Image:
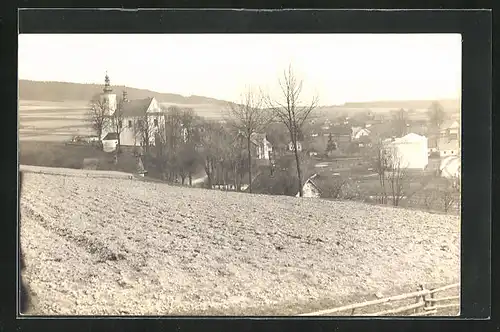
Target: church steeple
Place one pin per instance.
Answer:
(108, 97)
(107, 85)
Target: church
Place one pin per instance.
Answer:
(131, 119)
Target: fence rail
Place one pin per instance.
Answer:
(426, 304)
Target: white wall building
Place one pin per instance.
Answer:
(133, 115)
(135, 111)
(358, 132)
(262, 146)
(410, 150)
(310, 189)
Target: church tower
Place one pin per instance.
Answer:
(108, 96)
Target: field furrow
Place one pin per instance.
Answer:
(133, 247)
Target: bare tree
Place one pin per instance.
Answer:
(397, 177)
(436, 115)
(290, 111)
(189, 158)
(117, 123)
(392, 173)
(98, 115)
(179, 138)
(381, 166)
(209, 150)
(146, 129)
(449, 195)
(248, 118)
(400, 122)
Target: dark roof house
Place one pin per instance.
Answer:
(137, 107)
(110, 136)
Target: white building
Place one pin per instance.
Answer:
(134, 113)
(358, 132)
(410, 151)
(448, 143)
(310, 189)
(448, 148)
(136, 118)
(262, 146)
(450, 129)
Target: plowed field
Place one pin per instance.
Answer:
(110, 246)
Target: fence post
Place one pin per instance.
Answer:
(417, 299)
(432, 303)
(424, 297)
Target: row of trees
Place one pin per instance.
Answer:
(183, 141)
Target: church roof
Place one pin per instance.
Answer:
(137, 107)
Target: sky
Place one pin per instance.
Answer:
(337, 68)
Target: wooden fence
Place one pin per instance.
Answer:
(425, 303)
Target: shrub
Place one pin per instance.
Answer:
(340, 189)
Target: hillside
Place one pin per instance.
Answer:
(107, 246)
(64, 91)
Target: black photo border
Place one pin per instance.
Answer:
(475, 28)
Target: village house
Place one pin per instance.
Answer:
(311, 187)
(110, 142)
(448, 143)
(263, 148)
(448, 147)
(326, 186)
(358, 132)
(135, 118)
(291, 147)
(409, 151)
(450, 129)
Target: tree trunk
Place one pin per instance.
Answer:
(224, 175)
(249, 165)
(208, 171)
(235, 181)
(119, 141)
(297, 161)
(190, 178)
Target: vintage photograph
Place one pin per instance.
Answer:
(239, 174)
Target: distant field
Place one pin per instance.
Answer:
(60, 121)
(52, 121)
(208, 111)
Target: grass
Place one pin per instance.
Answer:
(55, 154)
